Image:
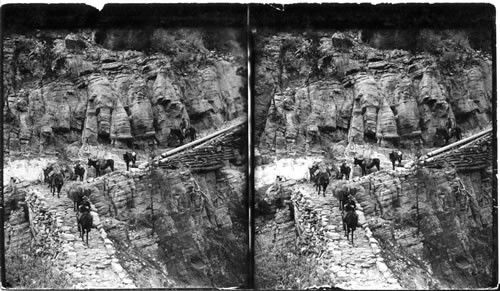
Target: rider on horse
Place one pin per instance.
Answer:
(321, 169)
(85, 206)
(350, 204)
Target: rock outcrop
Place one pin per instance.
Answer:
(73, 87)
(392, 96)
(436, 220)
(188, 224)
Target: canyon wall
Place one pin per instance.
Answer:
(100, 86)
(315, 88)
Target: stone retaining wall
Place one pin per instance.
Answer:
(43, 224)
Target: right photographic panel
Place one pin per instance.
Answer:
(375, 146)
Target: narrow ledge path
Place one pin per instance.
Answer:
(359, 266)
(95, 265)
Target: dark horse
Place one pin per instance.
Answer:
(345, 170)
(190, 132)
(322, 181)
(56, 182)
(79, 172)
(456, 132)
(76, 194)
(130, 157)
(101, 165)
(367, 164)
(396, 156)
(341, 193)
(85, 224)
(46, 172)
(350, 222)
(313, 170)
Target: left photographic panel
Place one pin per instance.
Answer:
(124, 146)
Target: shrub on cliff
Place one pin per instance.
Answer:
(27, 270)
(279, 269)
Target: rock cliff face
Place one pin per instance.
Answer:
(327, 86)
(181, 226)
(434, 224)
(101, 86)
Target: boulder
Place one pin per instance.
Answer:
(356, 132)
(408, 116)
(102, 97)
(163, 90)
(74, 42)
(120, 124)
(430, 91)
(386, 122)
(141, 112)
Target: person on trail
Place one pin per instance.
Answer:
(450, 125)
(85, 206)
(350, 205)
(184, 126)
(277, 183)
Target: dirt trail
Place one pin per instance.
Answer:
(348, 266)
(95, 265)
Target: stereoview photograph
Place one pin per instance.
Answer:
(124, 146)
(374, 152)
